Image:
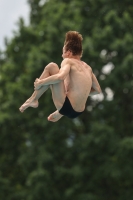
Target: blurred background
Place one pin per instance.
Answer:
(87, 158)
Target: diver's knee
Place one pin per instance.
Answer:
(52, 68)
(52, 64)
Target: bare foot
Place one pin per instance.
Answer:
(29, 103)
(54, 117)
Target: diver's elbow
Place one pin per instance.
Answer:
(61, 77)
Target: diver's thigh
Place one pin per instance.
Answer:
(58, 94)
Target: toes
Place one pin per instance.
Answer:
(50, 118)
(21, 109)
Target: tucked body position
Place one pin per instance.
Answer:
(70, 85)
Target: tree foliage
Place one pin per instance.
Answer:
(89, 157)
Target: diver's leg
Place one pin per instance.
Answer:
(49, 70)
(58, 95)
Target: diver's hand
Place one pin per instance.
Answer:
(37, 84)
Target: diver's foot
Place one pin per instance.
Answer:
(29, 103)
(54, 117)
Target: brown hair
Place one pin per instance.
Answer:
(73, 42)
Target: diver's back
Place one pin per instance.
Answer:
(80, 84)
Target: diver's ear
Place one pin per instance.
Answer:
(69, 53)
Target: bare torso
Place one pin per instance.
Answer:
(78, 83)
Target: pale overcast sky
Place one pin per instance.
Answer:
(10, 11)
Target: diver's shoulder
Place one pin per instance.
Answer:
(88, 66)
(66, 60)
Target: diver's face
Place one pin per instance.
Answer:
(64, 53)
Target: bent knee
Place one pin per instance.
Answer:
(52, 64)
(52, 68)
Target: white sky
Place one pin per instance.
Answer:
(10, 11)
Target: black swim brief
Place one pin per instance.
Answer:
(68, 110)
